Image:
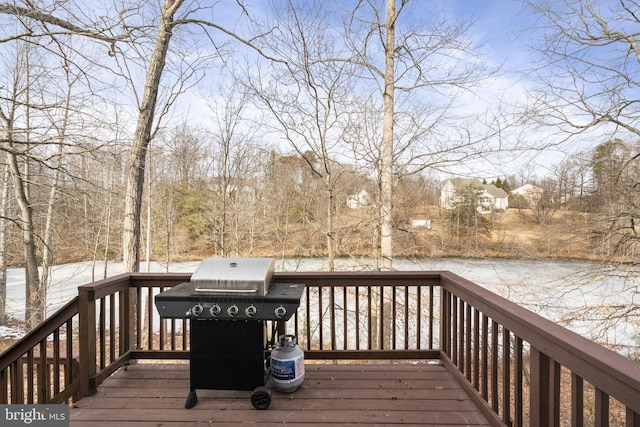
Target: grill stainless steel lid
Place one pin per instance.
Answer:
(233, 275)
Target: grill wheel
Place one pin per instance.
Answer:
(261, 397)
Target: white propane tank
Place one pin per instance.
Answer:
(287, 364)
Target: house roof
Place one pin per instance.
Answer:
(496, 192)
(527, 189)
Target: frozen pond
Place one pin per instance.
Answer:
(589, 298)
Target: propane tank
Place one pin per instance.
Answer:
(287, 364)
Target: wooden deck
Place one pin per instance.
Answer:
(332, 394)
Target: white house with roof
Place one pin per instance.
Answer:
(531, 193)
(491, 198)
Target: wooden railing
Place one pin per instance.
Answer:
(519, 368)
(43, 367)
(530, 370)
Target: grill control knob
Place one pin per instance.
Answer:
(233, 310)
(214, 310)
(197, 310)
(251, 310)
(280, 312)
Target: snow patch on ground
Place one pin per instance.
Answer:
(11, 332)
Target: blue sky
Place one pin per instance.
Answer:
(502, 28)
(498, 26)
(501, 24)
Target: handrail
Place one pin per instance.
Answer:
(608, 370)
(38, 349)
(501, 353)
(552, 350)
(112, 327)
(361, 306)
(35, 336)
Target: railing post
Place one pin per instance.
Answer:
(445, 321)
(540, 388)
(633, 419)
(87, 338)
(128, 317)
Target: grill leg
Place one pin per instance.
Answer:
(192, 399)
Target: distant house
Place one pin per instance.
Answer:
(420, 223)
(530, 193)
(491, 198)
(360, 200)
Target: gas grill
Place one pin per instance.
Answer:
(229, 302)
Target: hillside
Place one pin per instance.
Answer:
(513, 234)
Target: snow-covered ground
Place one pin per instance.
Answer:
(11, 332)
(579, 295)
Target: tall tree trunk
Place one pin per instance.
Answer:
(107, 236)
(386, 196)
(148, 245)
(331, 250)
(35, 302)
(47, 253)
(142, 136)
(4, 207)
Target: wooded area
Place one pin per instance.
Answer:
(132, 130)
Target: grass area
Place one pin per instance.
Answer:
(511, 234)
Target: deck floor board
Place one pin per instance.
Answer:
(332, 394)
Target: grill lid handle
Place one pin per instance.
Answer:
(227, 290)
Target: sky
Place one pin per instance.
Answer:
(506, 30)
(502, 27)
(498, 23)
(499, 26)
(502, 30)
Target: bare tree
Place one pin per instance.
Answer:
(588, 83)
(168, 24)
(386, 168)
(35, 294)
(60, 119)
(233, 155)
(590, 53)
(617, 197)
(587, 68)
(107, 30)
(308, 96)
(178, 163)
(4, 209)
(142, 136)
(28, 126)
(14, 143)
(419, 64)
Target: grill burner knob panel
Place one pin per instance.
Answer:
(197, 310)
(251, 310)
(181, 301)
(232, 310)
(214, 310)
(280, 312)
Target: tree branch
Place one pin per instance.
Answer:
(9, 9)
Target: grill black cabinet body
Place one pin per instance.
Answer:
(228, 302)
(227, 355)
